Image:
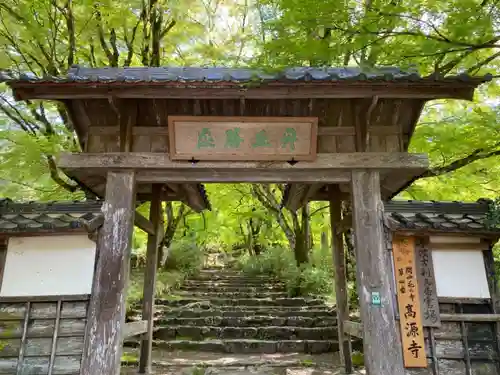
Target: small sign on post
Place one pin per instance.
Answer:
(412, 332)
(242, 138)
(376, 300)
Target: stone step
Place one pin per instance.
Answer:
(245, 346)
(234, 295)
(230, 288)
(227, 271)
(282, 302)
(182, 360)
(252, 346)
(231, 284)
(233, 277)
(256, 333)
(250, 321)
(238, 311)
(297, 369)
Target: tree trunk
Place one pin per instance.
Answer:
(255, 226)
(350, 258)
(306, 227)
(300, 249)
(161, 253)
(172, 224)
(301, 252)
(324, 241)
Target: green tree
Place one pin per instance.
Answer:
(46, 37)
(460, 138)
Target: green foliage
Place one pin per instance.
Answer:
(198, 371)
(378, 32)
(184, 257)
(166, 282)
(461, 138)
(358, 359)
(493, 217)
(316, 277)
(25, 165)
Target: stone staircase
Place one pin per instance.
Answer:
(222, 311)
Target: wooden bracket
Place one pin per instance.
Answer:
(142, 223)
(127, 118)
(132, 329)
(353, 329)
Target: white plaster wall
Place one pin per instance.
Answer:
(460, 274)
(48, 265)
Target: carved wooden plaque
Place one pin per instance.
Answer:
(412, 332)
(242, 138)
(427, 287)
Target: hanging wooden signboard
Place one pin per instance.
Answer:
(427, 287)
(412, 332)
(242, 138)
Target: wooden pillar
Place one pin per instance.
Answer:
(382, 343)
(340, 281)
(148, 300)
(106, 316)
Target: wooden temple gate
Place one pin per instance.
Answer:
(157, 134)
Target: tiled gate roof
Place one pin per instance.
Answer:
(439, 216)
(29, 217)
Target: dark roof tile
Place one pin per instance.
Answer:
(439, 216)
(221, 74)
(16, 217)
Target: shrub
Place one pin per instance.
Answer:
(166, 281)
(315, 277)
(316, 280)
(185, 257)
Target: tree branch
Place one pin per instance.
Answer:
(156, 23)
(146, 35)
(116, 53)
(319, 209)
(482, 63)
(130, 43)
(15, 115)
(54, 174)
(102, 40)
(363, 30)
(12, 12)
(167, 29)
(479, 154)
(267, 199)
(70, 25)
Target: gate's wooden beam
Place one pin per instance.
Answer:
(324, 162)
(333, 176)
(158, 168)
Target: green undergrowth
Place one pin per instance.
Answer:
(185, 257)
(184, 260)
(313, 278)
(496, 259)
(166, 282)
